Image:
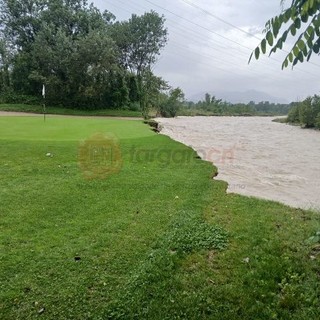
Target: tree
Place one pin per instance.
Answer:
(20, 21)
(133, 88)
(5, 62)
(85, 58)
(150, 91)
(64, 44)
(308, 111)
(170, 104)
(300, 15)
(140, 41)
(207, 99)
(293, 116)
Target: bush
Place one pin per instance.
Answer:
(171, 103)
(13, 98)
(168, 110)
(306, 112)
(134, 106)
(293, 116)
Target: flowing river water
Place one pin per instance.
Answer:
(257, 157)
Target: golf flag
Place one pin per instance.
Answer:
(44, 91)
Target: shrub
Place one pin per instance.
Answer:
(308, 111)
(134, 106)
(293, 116)
(168, 110)
(171, 103)
(14, 98)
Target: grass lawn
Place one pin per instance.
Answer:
(158, 240)
(71, 112)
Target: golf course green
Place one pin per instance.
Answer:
(157, 238)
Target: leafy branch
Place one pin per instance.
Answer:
(301, 15)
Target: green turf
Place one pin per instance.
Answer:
(68, 129)
(68, 111)
(158, 240)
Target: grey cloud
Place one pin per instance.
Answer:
(198, 60)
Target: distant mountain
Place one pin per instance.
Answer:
(241, 97)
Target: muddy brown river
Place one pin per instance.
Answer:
(257, 157)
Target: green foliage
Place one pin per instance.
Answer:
(150, 87)
(13, 98)
(217, 107)
(140, 40)
(132, 84)
(5, 58)
(78, 52)
(293, 116)
(208, 98)
(306, 113)
(171, 103)
(301, 15)
(134, 106)
(315, 238)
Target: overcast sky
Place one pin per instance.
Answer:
(207, 52)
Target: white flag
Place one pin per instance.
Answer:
(44, 91)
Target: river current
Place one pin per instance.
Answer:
(257, 157)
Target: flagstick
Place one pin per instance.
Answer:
(44, 102)
(44, 112)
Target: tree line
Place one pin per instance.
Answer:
(214, 106)
(306, 113)
(86, 58)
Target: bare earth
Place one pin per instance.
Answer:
(257, 157)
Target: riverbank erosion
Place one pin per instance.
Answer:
(256, 156)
